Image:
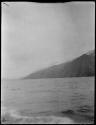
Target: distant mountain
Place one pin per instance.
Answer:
(82, 66)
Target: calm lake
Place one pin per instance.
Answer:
(48, 95)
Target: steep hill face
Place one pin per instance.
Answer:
(82, 66)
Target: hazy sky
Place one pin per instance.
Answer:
(35, 36)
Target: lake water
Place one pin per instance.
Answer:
(33, 96)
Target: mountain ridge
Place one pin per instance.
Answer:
(81, 66)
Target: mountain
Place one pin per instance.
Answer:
(82, 66)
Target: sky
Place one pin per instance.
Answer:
(38, 35)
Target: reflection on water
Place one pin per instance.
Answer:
(75, 95)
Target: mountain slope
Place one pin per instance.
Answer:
(79, 67)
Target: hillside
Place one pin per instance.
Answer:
(80, 67)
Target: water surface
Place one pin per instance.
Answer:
(47, 96)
